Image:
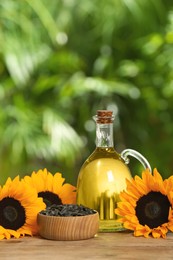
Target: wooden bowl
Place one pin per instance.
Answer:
(68, 228)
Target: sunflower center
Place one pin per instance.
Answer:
(50, 198)
(153, 209)
(12, 213)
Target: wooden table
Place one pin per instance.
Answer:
(105, 246)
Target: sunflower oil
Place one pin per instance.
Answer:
(103, 176)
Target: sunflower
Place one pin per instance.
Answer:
(52, 188)
(19, 205)
(146, 207)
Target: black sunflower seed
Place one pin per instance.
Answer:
(67, 210)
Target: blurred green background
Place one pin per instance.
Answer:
(61, 60)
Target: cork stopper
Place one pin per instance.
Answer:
(104, 116)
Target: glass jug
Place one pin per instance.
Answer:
(103, 175)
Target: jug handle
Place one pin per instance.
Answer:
(125, 153)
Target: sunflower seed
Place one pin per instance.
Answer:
(67, 210)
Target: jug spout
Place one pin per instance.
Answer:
(130, 152)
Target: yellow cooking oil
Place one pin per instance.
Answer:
(101, 179)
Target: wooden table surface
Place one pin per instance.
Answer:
(105, 246)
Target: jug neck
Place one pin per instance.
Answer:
(104, 128)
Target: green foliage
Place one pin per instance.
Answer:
(62, 60)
